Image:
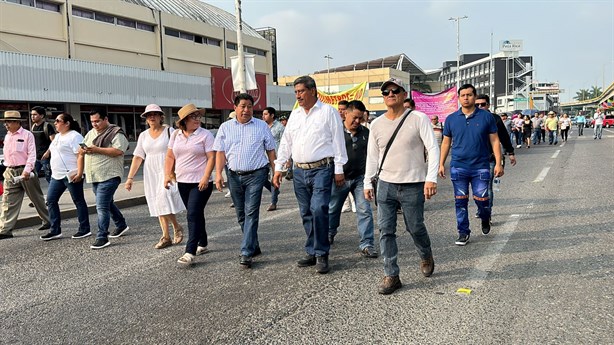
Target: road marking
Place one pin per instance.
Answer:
(563, 144)
(542, 175)
(607, 130)
(556, 154)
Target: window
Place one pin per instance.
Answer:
(171, 32)
(231, 45)
(126, 22)
(186, 36)
(82, 13)
(41, 4)
(145, 27)
(104, 18)
(213, 42)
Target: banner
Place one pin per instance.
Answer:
(441, 104)
(355, 93)
(250, 73)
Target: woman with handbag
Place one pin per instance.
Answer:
(151, 148)
(190, 160)
(66, 174)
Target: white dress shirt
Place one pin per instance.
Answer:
(310, 137)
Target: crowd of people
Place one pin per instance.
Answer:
(393, 161)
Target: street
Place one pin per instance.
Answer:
(544, 275)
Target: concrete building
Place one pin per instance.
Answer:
(123, 54)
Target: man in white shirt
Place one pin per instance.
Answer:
(599, 117)
(314, 140)
(406, 179)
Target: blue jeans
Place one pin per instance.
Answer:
(105, 207)
(195, 202)
(43, 168)
(312, 188)
(479, 179)
(246, 193)
(364, 214)
(54, 192)
(410, 197)
(537, 134)
(552, 138)
(274, 191)
(597, 131)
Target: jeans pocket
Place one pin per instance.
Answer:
(453, 175)
(485, 175)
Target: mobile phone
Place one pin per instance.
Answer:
(83, 146)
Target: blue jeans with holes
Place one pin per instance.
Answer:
(54, 192)
(364, 214)
(195, 201)
(246, 193)
(312, 188)
(105, 207)
(479, 179)
(410, 197)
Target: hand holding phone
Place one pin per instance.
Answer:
(83, 146)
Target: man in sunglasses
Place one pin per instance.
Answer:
(406, 179)
(356, 138)
(472, 134)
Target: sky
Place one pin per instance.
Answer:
(572, 42)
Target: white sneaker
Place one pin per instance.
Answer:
(201, 250)
(518, 146)
(227, 195)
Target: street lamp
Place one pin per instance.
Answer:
(457, 20)
(328, 58)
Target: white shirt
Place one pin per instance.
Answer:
(310, 137)
(598, 119)
(64, 150)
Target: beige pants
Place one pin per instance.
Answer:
(13, 197)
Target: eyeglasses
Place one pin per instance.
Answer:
(481, 105)
(58, 121)
(394, 91)
(195, 116)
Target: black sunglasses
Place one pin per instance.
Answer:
(481, 105)
(394, 91)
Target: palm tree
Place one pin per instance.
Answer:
(595, 92)
(582, 95)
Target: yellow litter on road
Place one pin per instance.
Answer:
(464, 291)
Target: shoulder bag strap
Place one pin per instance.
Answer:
(391, 140)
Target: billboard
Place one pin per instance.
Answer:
(510, 45)
(223, 94)
(440, 104)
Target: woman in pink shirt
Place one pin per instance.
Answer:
(189, 162)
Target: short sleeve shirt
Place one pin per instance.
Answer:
(470, 136)
(191, 154)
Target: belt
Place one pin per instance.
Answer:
(249, 172)
(316, 164)
(16, 167)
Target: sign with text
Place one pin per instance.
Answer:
(355, 93)
(440, 104)
(510, 45)
(223, 94)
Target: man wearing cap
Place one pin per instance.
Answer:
(246, 146)
(472, 134)
(314, 139)
(19, 159)
(406, 179)
(277, 130)
(103, 157)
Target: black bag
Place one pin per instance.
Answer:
(375, 179)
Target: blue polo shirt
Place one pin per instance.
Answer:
(470, 138)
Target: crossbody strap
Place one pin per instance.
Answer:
(381, 165)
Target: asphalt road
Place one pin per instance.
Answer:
(543, 276)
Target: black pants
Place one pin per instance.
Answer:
(195, 202)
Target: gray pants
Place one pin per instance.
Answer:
(13, 198)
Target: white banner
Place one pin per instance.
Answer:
(250, 73)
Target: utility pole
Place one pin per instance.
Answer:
(328, 58)
(457, 20)
(241, 53)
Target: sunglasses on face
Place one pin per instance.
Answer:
(58, 121)
(481, 105)
(394, 91)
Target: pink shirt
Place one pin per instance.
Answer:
(191, 154)
(19, 149)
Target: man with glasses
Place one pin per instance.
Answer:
(472, 134)
(19, 159)
(314, 139)
(356, 139)
(406, 179)
(102, 153)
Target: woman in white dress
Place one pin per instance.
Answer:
(151, 148)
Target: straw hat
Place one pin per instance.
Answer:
(152, 108)
(12, 115)
(232, 115)
(189, 109)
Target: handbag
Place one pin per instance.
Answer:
(375, 178)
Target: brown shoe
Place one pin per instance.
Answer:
(389, 285)
(164, 242)
(272, 207)
(427, 266)
(178, 236)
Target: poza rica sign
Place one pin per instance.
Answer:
(510, 45)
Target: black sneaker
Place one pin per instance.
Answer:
(462, 239)
(50, 236)
(118, 232)
(369, 252)
(485, 226)
(45, 226)
(100, 243)
(246, 261)
(306, 261)
(82, 234)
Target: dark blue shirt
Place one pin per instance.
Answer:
(470, 138)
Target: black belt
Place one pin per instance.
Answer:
(243, 173)
(16, 167)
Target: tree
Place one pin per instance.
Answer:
(582, 95)
(595, 92)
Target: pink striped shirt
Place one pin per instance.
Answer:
(19, 149)
(191, 154)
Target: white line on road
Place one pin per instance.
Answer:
(608, 130)
(563, 144)
(542, 175)
(556, 154)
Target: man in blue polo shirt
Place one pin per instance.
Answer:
(472, 134)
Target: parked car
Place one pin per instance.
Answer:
(607, 122)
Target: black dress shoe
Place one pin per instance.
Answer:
(308, 260)
(5, 236)
(257, 252)
(322, 264)
(246, 261)
(45, 226)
